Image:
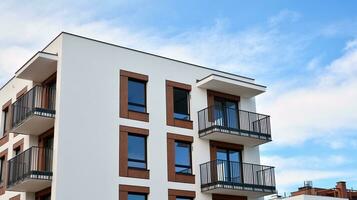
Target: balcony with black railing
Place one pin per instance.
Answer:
(34, 112)
(234, 126)
(31, 170)
(236, 178)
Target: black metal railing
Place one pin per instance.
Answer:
(39, 101)
(244, 176)
(34, 163)
(233, 121)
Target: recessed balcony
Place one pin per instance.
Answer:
(236, 178)
(31, 170)
(234, 126)
(34, 112)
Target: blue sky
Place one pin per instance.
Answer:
(305, 51)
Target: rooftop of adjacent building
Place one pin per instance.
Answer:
(340, 191)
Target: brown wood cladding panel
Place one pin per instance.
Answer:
(184, 138)
(41, 194)
(18, 144)
(4, 139)
(178, 85)
(3, 184)
(170, 120)
(17, 197)
(7, 106)
(171, 159)
(181, 193)
(131, 188)
(172, 175)
(215, 144)
(21, 92)
(124, 171)
(227, 197)
(123, 96)
(125, 189)
(169, 105)
(134, 75)
(211, 94)
(124, 112)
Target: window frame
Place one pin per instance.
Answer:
(124, 111)
(145, 148)
(125, 190)
(145, 95)
(2, 168)
(124, 170)
(185, 194)
(188, 104)
(170, 118)
(171, 159)
(190, 154)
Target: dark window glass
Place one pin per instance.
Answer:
(4, 120)
(136, 151)
(183, 158)
(136, 95)
(135, 196)
(17, 151)
(183, 198)
(181, 104)
(2, 165)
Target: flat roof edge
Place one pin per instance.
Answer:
(156, 55)
(263, 86)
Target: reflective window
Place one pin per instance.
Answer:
(135, 196)
(183, 157)
(4, 122)
(2, 169)
(181, 104)
(136, 95)
(136, 151)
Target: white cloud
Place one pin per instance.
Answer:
(284, 15)
(322, 109)
(294, 170)
(257, 50)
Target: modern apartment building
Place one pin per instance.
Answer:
(84, 119)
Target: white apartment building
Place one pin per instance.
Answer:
(88, 120)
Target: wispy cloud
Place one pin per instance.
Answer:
(321, 109)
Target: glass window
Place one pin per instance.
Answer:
(183, 157)
(17, 151)
(4, 121)
(136, 151)
(2, 165)
(136, 95)
(135, 196)
(181, 104)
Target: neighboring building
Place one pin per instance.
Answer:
(89, 120)
(308, 192)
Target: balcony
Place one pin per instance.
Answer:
(31, 170)
(39, 67)
(234, 126)
(235, 178)
(34, 112)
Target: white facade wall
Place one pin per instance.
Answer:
(312, 197)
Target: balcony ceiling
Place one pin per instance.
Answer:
(231, 86)
(39, 67)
